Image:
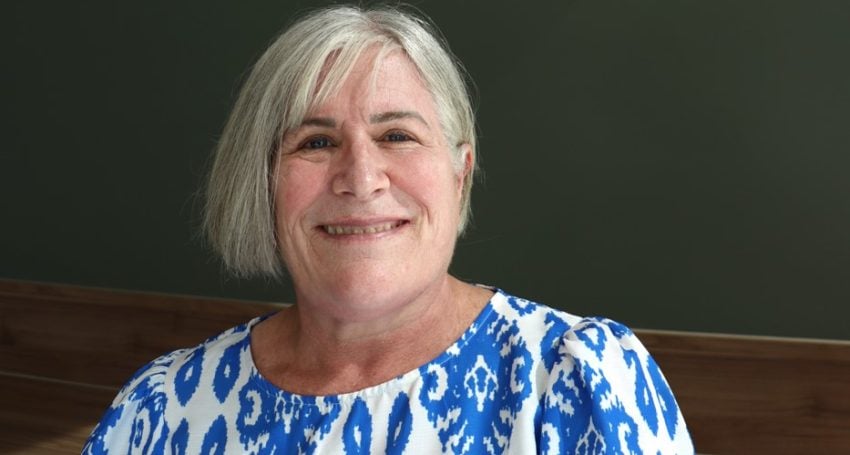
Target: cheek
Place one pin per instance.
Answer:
(433, 183)
(297, 188)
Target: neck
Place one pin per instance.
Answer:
(306, 352)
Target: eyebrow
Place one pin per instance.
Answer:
(383, 117)
(396, 115)
(319, 121)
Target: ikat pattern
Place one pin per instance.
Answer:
(522, 379)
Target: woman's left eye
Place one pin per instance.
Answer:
(397, 136)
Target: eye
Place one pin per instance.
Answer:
(397, 136)
(316, 143)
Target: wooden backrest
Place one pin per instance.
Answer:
(65, 350)
(754, 395)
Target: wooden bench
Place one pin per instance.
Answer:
(65, 351)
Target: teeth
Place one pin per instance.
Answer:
(359, 230)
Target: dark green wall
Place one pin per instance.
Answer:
(671, 164)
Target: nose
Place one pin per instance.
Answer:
(360, 171)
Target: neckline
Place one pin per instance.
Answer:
(399, 382)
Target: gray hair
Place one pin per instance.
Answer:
(278, 93)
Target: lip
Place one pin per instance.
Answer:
(355, 228)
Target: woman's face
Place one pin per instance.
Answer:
(367, 198)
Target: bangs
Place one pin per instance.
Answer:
(324, 81)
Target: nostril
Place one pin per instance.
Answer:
(361, 179)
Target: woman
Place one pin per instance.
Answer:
(349, 159)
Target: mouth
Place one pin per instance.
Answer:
(375, 228)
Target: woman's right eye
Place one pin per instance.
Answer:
(316, 143)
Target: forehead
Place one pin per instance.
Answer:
(379, 80)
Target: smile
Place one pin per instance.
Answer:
(361, 230)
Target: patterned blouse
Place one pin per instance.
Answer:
(523, 379)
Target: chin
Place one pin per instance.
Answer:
(363, 297)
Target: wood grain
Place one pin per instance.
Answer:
(47, 417)
(65, 350)
(99, 336)
(757, 395)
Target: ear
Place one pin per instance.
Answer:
(467, 161)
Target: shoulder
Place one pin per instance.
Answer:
(602, 391)
(137, 417)
(562, 338)
(607, 387)
(567, 340)
(138, 405)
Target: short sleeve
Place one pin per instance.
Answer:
(605, 394)
(134, 423)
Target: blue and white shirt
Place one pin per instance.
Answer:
(523, 379)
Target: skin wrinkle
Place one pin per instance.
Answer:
(357, 363)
